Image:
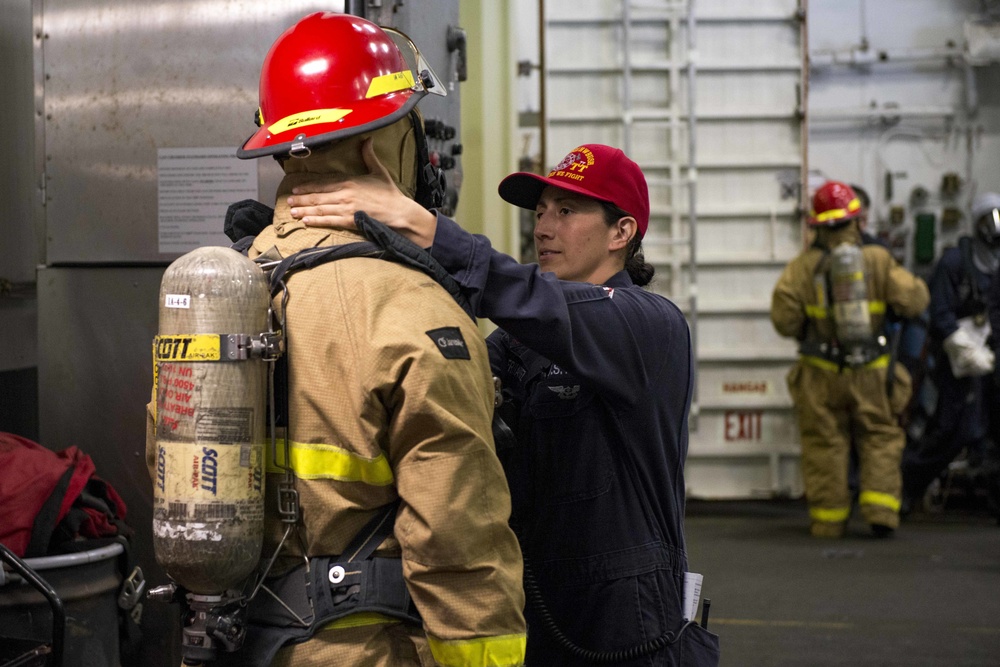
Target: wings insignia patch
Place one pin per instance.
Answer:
(565, 393)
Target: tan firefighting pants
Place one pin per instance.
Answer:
(832, 405)
(377, 645)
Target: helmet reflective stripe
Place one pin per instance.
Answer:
(838, 213)
(304, 118)
(390, 83)
(380, 85)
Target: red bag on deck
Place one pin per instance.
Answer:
(42, 491)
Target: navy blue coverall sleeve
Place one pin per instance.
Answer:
(943, 286)
(611, 338)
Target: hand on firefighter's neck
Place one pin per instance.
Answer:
(333, 202)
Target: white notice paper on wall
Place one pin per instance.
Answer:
(195, 186)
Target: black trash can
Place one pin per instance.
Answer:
(88, 583)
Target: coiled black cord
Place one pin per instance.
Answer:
(648, 647)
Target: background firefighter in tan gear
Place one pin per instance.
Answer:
(840, 380)
(390, 391)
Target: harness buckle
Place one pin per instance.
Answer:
(337, 574)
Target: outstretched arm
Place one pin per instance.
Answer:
(333, 202)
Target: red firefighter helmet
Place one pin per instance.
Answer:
(833, 204)
(332, 76)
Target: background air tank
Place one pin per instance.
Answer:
(850, 295)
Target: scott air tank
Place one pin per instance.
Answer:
(850, 295)
(210, 402)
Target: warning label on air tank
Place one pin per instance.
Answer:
(203, 481)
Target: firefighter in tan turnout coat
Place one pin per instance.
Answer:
(834, 298)
(390, 394)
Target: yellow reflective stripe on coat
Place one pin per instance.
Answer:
(827, 365)
(880, 499)
(837, 213)
(822, 312)
(319, 461)
(836, 515)
(503, 651)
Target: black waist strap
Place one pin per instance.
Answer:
(853, 357)
(302, 602)
(290, 609)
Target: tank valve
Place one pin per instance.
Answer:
(165, 593)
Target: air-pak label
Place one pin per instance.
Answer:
(194, 472)
(191, 347)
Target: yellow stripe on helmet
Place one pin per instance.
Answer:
(838, 213)
(390, 83)
(304, 118)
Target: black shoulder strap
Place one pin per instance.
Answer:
(400, 249)
(310, 257)
(372, 534)
(821, 268)
(383, 243)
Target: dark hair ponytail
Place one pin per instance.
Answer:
(638, 269)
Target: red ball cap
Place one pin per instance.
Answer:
(592, 170)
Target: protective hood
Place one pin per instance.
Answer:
(395, 147)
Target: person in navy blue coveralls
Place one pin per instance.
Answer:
(597, 378)
(959, 287)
